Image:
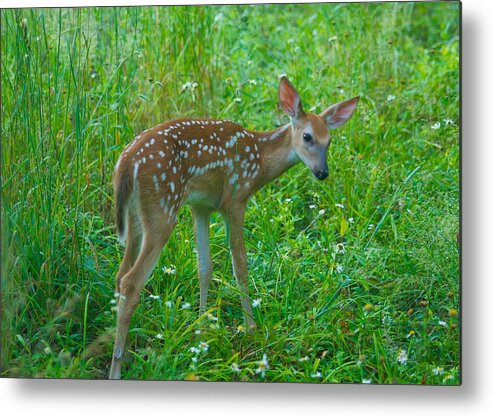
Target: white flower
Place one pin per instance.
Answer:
(448, 121)
(339, 268)
(390, 97)
(253, 82)
(321, 212)
(195, 359)
(193, 349)
(288, 200)
(438, 371)
(169, 270)
(113, 301)
(366, 381)
(256, 302)
(159, 336)
(339, 248)
(237, 99)
(263, 365)
(185, 306)
(339, 205)
(154, 297)
(304, 359)
(169, 304)
(204, 347)
(189, 85)
(442, 323)
(402, 357)
(436, 126)
(235, 368)
(198, 331)
(211, 317)
(332, 38)
(351, 220)
(317, 374)
(312, 206)
(371, 226)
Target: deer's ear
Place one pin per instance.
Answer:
(338, 114)
(289, 99)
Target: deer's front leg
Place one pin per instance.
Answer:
(235, 220)
(201, 219)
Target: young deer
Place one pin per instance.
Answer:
(210, 165)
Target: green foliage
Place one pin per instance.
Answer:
(353, 273)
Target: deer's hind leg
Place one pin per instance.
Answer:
(132, 247)
(157, 228)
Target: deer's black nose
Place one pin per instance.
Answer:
(322, 174)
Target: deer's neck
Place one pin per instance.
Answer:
(277, 152)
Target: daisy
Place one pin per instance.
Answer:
(256, 302)
(263, 365)
(402, 357)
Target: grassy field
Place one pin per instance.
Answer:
(356, 278)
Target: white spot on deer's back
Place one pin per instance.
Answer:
(156, 184)
(172, 186)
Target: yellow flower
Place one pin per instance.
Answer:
(453, 312)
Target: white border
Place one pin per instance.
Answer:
(83, 398)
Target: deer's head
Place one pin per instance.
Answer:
(311, 132)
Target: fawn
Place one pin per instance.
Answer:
(209, 165)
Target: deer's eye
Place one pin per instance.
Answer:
(307, 138)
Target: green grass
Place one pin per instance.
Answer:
(343, 290)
